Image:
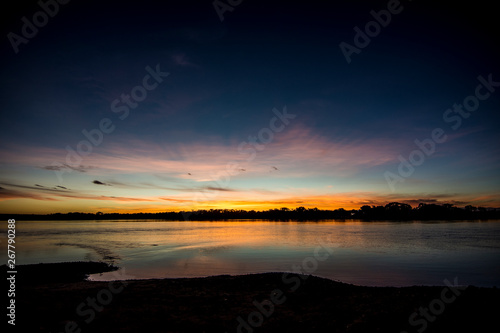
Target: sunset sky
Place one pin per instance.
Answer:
(258, 111)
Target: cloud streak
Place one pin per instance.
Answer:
(97, 182)
(296, 152)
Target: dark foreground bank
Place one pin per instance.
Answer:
(270, 302)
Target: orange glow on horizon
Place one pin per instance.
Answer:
(155, 205)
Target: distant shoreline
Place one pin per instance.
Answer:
(393, 211)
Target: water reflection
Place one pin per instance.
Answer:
(367, 253)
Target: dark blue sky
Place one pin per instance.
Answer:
(352, 120)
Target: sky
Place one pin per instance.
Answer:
(153, 106)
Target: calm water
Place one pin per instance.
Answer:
(364, 253)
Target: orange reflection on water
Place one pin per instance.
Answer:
(369, 253)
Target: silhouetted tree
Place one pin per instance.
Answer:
(391, 211)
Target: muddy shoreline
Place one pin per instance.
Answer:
(268, 302)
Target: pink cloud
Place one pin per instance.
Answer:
(295, 152)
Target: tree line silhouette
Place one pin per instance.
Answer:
(391, 211)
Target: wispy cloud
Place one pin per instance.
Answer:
(8, 194)
(63, 166)
(97, 182)
(181, 59)
(178, 175)
(36, 187)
